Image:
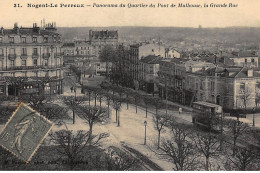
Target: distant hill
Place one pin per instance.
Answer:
(170, 34)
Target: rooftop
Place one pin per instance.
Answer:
(151, 59)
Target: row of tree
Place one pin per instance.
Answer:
(188, 145)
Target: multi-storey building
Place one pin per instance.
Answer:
(242, 58)
(99, 39)
(33, 53)
(139, 51)
(172, 78)
(89, 50)
(186, 81)
(148, 73)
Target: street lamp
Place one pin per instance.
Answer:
(145, 124)
(75, 89)
(253, 117)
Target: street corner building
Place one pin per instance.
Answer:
(31, 60)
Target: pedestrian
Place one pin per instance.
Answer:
(71, 89)
(180, 110)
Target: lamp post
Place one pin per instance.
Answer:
(253, 117)
(75, 89)
(145, 124)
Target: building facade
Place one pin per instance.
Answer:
(139, 51)
(33, 54)
(148, 73)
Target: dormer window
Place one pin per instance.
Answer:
(242, 86)
(11, 39)
(45, 39)
(34, 40)
(23, 39)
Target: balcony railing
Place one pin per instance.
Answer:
(24, 56)
(30, 67)
(58, 54)
(46, 55)
(12, 56)
(35, 55)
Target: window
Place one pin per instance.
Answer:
(1, 89)
(12, 51)
(1, 39)
(35, 62)
(151, 69)
(47, 87)
(242, 86)
(35, 51)
(45, 39)
(12, 63)
(23, 62)
(197, 86)
(152, 50)
(11, 39)
(246, 61)
(24, 51)
(201, 85)
(46, 62)
(34, 39)
(212, 86)
(23, 39)
(253, 60)
(1, 52)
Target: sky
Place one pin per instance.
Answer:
(246, 14)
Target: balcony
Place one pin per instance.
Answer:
(58, 55)
(11, 56)
(35, 55)
(31, 67)
(46, 55)
(24, 56)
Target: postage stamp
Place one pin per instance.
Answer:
(24, 132)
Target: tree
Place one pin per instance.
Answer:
(245, 96)
(107, 55)
(147, 100)
(207, 144)
(180, 149)
(92, 115)
(160, 121)
(128, 93)
(244, 159)
(237, 128)
(43, 81)
(74, 146)
(17, 83)
(101, 94)
(257, 101)
(35, 100)
(117, 160)
(108, 99)
(55, 113)
(137, 99)
(73, 102)
(157, 103)
(117, 107)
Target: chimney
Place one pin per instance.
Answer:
(2, 30)
(15, 25)
(16, 28)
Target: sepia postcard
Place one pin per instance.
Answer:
(129, 85)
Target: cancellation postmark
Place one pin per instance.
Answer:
(24, 132)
